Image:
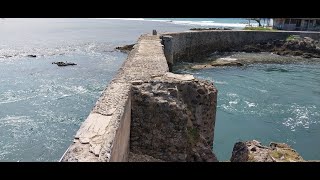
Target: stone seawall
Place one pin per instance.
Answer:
(193, 46)
(123, 119)
(104, 135)
(147, 113)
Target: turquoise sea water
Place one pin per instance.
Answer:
(42, 105)
(267, 102)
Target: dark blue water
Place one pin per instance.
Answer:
(267, 102)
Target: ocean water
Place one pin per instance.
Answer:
(266, 102)
(235, 23)
(43, 105)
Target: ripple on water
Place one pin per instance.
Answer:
(267, 102)
(11, 96)
(220, 82)
(301, 117)
(250, 104)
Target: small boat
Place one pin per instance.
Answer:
(60, 63)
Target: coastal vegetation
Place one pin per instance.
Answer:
(193, 135)
(292, 38)
(202, 29)
(259, 28)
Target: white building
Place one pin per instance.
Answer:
(297, 24)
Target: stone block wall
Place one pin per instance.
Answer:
(193, 46)
(173, 118)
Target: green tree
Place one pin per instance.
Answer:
(258, 21)
(255, 19)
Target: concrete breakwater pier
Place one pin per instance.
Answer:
(147, 113)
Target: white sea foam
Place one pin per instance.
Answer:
(130, 19)
(262, 90)
(227, 108)
(227, 59)
(220, 82)
(232, 95)
(250, 104)
(234, 102)
(14, 120)
(206, 23)
(302, 117)
(10, 97)
(189, 23)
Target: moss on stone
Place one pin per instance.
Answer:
(276, 154)
(291, 38)
(193, 135)
(285, 155)
(259, 28)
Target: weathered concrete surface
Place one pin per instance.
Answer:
(157, 115)
(173, 118)
(144, 61)
(104, 135)
(253, 151)
(193, 46)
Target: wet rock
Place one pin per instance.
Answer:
(226, 63)
(251, 48)
(60, 63)
(201, 91)
(254, 151)
(297, 53)
(125, 48)
(307, 55)
(240, 152)
(294, 46)
(216, 64)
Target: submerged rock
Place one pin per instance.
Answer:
(253, 151)
(217, 63)
(126, 48)
(60, 63)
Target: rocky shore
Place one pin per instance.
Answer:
(302, 49)
(293, 45)
(254, 151)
